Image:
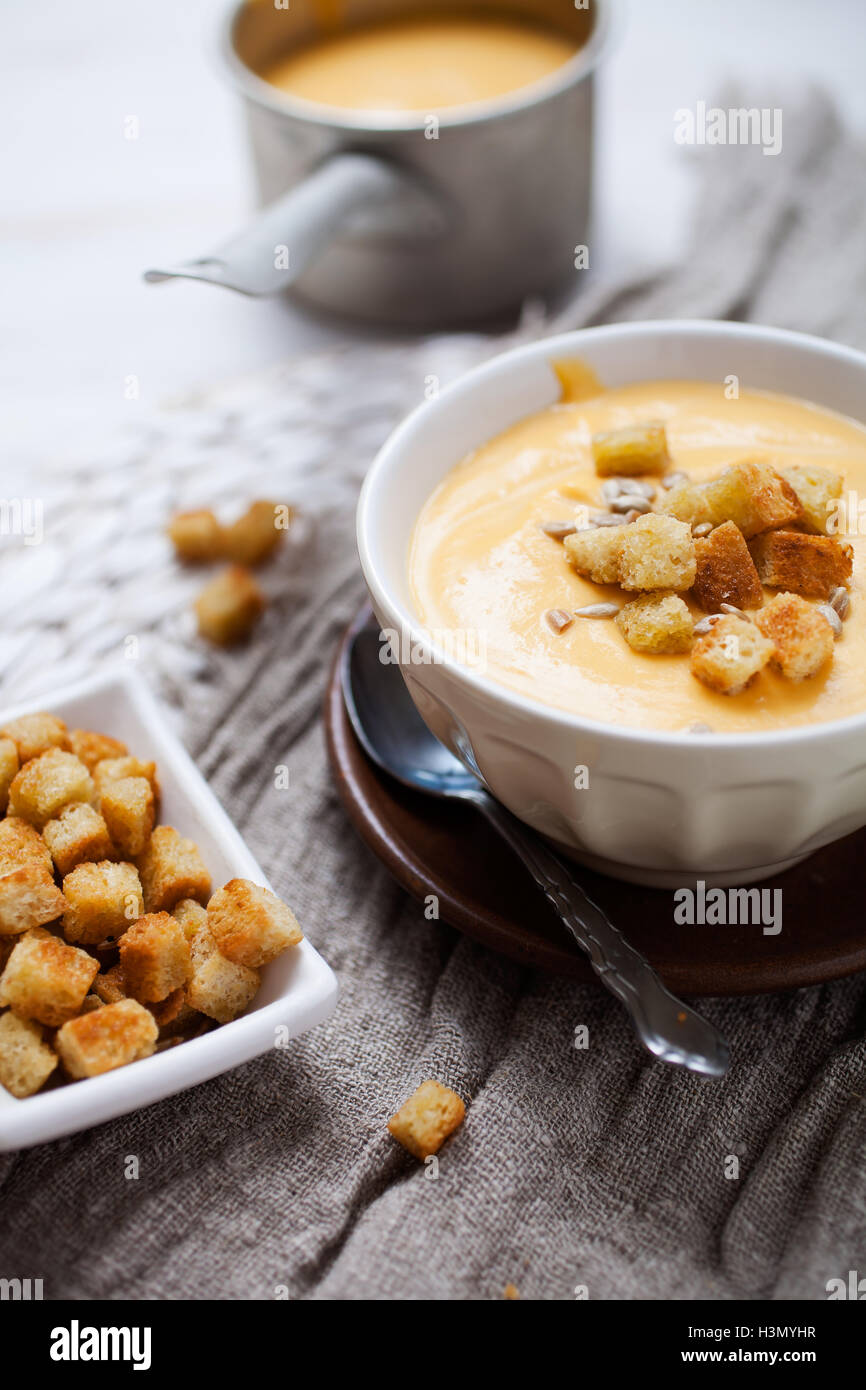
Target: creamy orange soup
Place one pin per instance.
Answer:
(422, 64)
(479, 561)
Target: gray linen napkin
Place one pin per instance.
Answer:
(592, 1169)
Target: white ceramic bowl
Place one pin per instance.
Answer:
(663, 807)
(298, 989)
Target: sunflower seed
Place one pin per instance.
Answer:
(705, 624)
(632, 516)
(611, 489)
(597, 610)
(559, 529)
(703, 528)
(606, 519)
(734, 612)
(558, 619)
(631, 502)
(840, 600)
(636, 486)
(674, 479)
(832, 618)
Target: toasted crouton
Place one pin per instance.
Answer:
(45, 979)
(730, 655)
(726, 571)
(77, 835)
(202, 944)
(197, 536)
(171, 868)
(21, 844)
(595, 553)
(219, 987)
(166, 1010)
(688, 502)
(817, 490)
(187, 1022)
(128, 810)
(229, 607)
(802, 638)
(111, 1037)
(656, 623)
(109, 770)
(256, 534)
(658, 552)
(630, 451)
(425, 1120)
(250, 924)
(102, 901)
(810, 565)
(29, 898)
(9, 765)
(46, 784)
(191, 915)
(110, 985)
(33, 734)
(754, 496)
(93, 748)
(26, 1062)
(154, 955)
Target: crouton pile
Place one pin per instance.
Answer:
(229, 607)
(718, 544)
(112, 944)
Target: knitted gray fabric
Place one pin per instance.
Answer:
(595, 1168)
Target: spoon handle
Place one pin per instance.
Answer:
(668, 1028)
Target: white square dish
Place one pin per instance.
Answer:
(298, 989)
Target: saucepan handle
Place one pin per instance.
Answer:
(350, 192)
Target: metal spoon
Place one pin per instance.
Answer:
(393, 734)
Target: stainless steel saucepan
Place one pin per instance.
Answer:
(423, 219)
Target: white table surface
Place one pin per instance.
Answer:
(84, 209)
